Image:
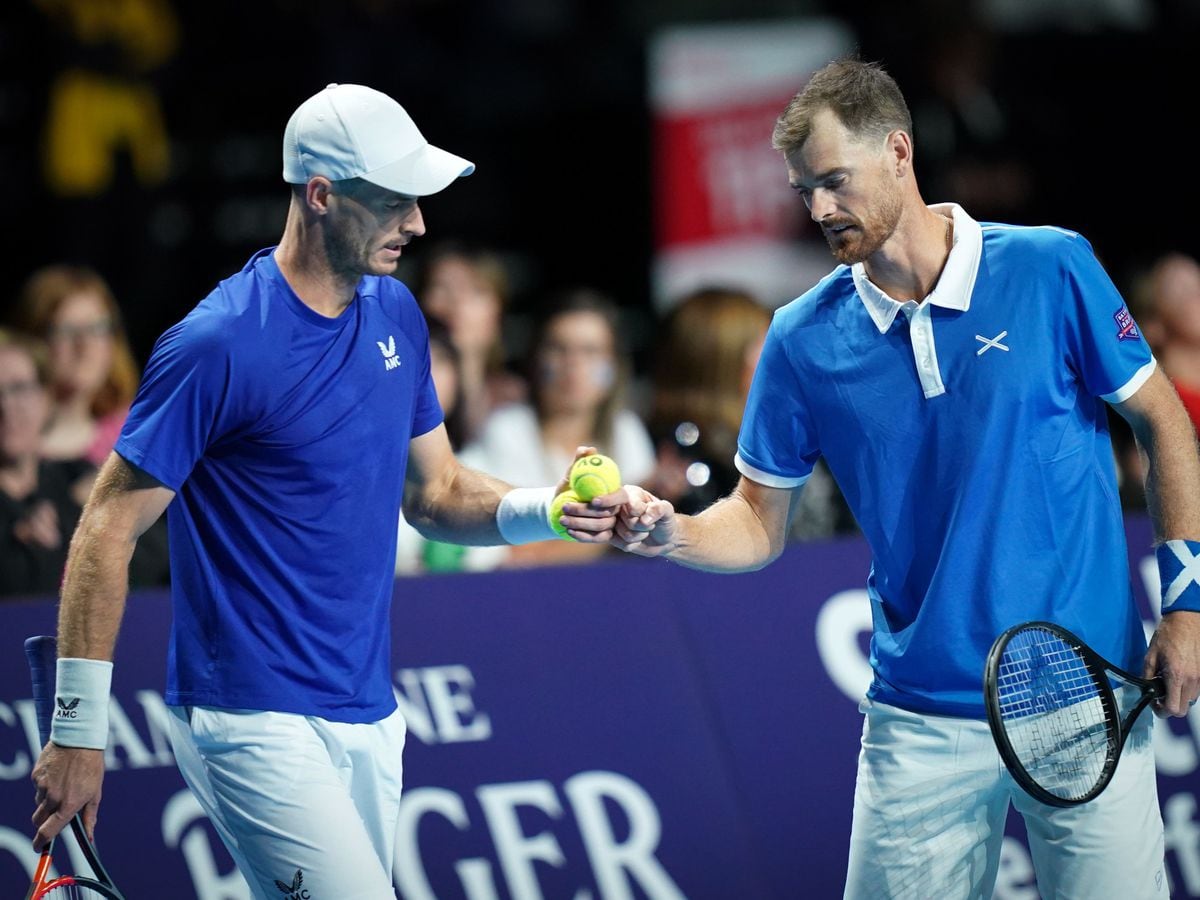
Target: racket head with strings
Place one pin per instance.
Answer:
(1057, 722)
(41, 652)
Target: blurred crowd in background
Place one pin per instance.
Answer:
(141, 139)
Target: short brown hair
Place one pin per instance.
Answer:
(865, 99)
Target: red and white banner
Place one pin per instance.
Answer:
(723, 211)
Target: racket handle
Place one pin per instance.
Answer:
(1157, 688)
(42, 653)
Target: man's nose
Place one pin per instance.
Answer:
(415, 223)
(821, 205)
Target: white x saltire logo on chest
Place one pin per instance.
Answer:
(1189, 575)
(989, 343)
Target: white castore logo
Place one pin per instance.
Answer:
(390, 359)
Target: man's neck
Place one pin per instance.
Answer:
(305, 265)
(909, 265)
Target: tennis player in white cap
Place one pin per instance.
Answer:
(280, 424)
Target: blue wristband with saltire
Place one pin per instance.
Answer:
(1179, 572)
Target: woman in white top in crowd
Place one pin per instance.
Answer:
(578, 376)
(467, 289)
(416, 554)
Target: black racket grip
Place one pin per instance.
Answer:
(42, 653)
(1157, 688)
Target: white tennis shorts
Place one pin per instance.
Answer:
(929, 810)
(302, 803)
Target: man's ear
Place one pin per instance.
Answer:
(317, 193)
(899, 145)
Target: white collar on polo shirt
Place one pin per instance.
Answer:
(953, 288)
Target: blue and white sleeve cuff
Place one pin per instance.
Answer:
(770, 480)
(1133, 385)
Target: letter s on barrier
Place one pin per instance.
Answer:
(842, 618)
(21, 762)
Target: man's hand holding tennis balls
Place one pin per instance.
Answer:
(592, 475)
(645, 525)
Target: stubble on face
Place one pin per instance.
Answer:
(348, 245)
(353, 245)
(871, 231)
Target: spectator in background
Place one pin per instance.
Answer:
(1168, 299)
(712, 342)
(92, 378)
(445, 367)
(40, 499)
(415, 553)
(578, 376)
(467, 289)
(968, 138)
(92, 373)
(1166, 302)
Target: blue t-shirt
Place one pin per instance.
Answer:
(969, 437)
(285, 436)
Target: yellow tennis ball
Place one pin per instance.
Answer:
(556, 511)
(592, 476)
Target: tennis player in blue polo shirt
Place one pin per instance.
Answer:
(280, 424)
(954, 375)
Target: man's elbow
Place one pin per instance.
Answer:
(772, 552)
(416, 512)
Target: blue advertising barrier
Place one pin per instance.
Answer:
(626, 730)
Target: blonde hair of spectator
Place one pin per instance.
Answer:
(702, 367)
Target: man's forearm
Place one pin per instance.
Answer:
(124, 503)
(94, 588)
(1173, 479)
(462, 509)
(727, 537)
(1165, 432)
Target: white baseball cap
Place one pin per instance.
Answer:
(351, 131)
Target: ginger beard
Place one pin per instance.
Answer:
(865, 236)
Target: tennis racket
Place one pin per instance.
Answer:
(42, 653)
(1059, 712)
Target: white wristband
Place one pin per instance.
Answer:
(81, 703)
(524, 515)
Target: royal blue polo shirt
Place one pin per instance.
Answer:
(285, 436)
(968, 435)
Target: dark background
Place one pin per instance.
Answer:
(548, 97)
